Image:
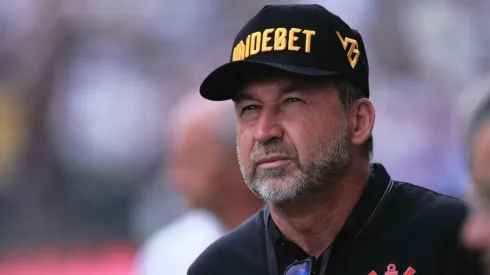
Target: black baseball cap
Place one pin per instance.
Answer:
(306, 40)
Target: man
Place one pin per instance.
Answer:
(298, 77)
(203, 165)
(477, 230)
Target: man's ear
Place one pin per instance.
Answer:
(362, 115)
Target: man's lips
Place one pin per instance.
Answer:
(272, 161)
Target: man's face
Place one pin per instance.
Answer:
(291, 137)
(477, 231)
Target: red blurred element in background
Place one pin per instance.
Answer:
(73, 260)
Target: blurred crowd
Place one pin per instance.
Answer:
(87, 89)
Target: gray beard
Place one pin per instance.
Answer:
(290, 183)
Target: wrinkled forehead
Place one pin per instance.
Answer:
(276, 83)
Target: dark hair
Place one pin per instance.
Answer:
(480, 117)
(348, 94)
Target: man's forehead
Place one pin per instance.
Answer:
(280, 85)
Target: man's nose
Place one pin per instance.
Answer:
(269, 126)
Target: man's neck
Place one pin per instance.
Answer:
(314, 221)
(232, 214)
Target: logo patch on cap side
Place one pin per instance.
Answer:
(353, 53)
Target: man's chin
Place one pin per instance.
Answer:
(280, 192)
(279, 183)
(282, 198)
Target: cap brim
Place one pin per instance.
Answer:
(224, 82)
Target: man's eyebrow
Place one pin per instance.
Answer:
(241, 95)
(284, 88)
(290, 87)
(297, 86)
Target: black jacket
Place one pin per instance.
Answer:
(410, 228)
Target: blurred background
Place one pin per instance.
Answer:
(86, 87)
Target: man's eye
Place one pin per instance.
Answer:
(249, 108)
(292, 99)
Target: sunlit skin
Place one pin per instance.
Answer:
(477, 230)
(299, 147)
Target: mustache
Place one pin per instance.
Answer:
(272, 147)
